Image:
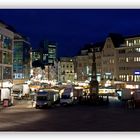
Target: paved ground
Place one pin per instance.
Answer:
(114, 117)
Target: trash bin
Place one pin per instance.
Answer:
(5, 102)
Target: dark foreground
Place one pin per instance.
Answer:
(114, 117)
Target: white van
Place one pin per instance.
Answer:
(46, 99)
(5, 94)
(125, 94)
(67, 96)
(20, 90)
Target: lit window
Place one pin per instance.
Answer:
(113, 61)
(135, 79)
(134, 41)
(127, 78)
(127, 59)
(127, 42)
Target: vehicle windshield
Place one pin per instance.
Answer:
(35, 84)
(41, 98)
(65, 97)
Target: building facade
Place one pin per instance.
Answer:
(66, 70)
(84, 66)
(46, 57)
(6, 53)
(21, 59)
(128, 60)
(85, 59)
(48, 52)
(117, 59)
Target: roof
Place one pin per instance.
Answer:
(132, 36)
(89, 46)
(117, 39)
(9, 27)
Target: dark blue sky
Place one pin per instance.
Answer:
(71, 28)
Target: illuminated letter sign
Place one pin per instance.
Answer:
(137, 72)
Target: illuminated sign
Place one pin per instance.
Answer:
(137, 72)
(107, 73)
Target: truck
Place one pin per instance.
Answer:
(67, 96)
(20, 90)
(46, 98)
(5, 96)
(136, 97)
(125, 94)
(78, 93)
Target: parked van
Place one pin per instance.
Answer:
(125, 94)
(46, 98)
(20, 90)
(5, 95)
(67, 96)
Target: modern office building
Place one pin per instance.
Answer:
(46, 55)
(6, 53)
(21, 59)
(48, 52)
(36, 55)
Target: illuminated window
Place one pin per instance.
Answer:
(127, 78)
(134, 41)
(127, 59)
(135, 78)
(127, 43)
(137, 49)
(7, 73)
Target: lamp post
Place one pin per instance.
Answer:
(94, 85)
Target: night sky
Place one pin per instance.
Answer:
(71, 28)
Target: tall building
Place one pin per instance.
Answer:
(48, 52)
(45, 57)
(6, 53)
(21, 58)
(36, 55)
